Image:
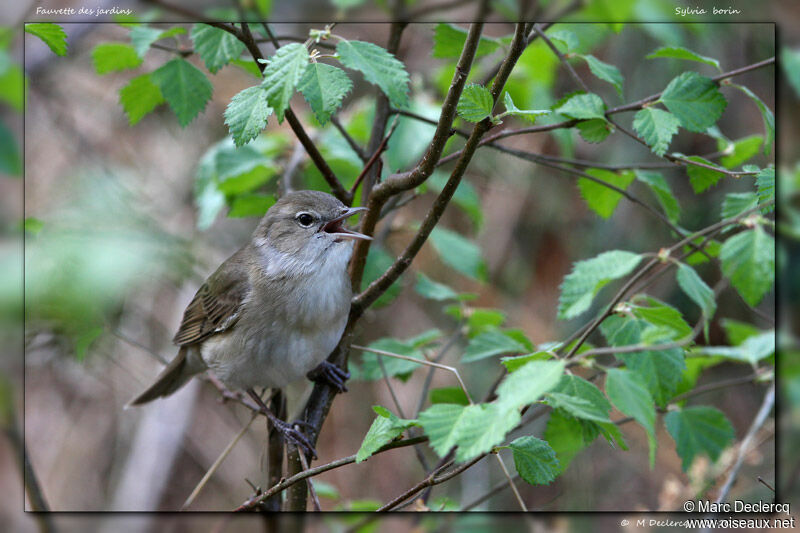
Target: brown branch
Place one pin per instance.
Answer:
(561, 58)
(758, 421)
(378, 151)
(430, 481)
(399, 183)
(349, 138)
(284, 484)
(379, 286)
(246, 37)
(653, 262)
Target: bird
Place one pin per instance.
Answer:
(274, 310)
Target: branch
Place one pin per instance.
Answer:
(653, 262)
(327, 173)
(561, 58)
(349, 138)
(430, 481)
(761, 417)
(426, 166)
(284, 484)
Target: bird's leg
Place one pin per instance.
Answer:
(290, 434)
(331, 374)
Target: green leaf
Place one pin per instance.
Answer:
(790, 61)
(185, 87)
(216, 47)
(139, 97)
(282, 75)
(324, 87)
(384, 429)
(490, 343)
(432, 290)
(378, 66)
(448, 41)
(326, 490)
(699, 431)
(465, 197)
(765, 184)
(370, 369)
(513, 363)
(378, 260)
(748, 259)
(662, 191)
(51, 34)
(656, 127)
(480, 320)
(589, 276)
(583, 107)
(459, 253)
(84, 341)
(512, 109)
(737, 332)
(695, 100)
(250, 205)
(567, 436)
(567, 39)
(605, 72)
(449, 395)
(529, 383)
(595, 130)
(475, 104)
(766, 116)
(12, 85)
(740, 151)
(661, 371)
(666, 318)
(752, 350)
(113, 57)
(702, 178)
(629, 394)
(696, 289)
(601, 199)
(534, 460)
(475, 429)
(10, 160)
(580, 399)
(247, 113)
(678, 52)
(142, 37)
(738, 202)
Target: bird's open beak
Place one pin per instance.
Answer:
(336, 226)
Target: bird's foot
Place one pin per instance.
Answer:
(331, 374)
(293, 435)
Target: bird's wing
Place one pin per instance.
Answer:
(216, 306)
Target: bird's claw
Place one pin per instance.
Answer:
(331, 374)
(293, 435)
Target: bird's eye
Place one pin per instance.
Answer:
(305, 219)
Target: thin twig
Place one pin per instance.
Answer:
(511, 483)
(418, 361)
(561, 57)
(311, 489)
(280, 487)
(349, 138)
(744, 447)
(375, 156)
(653, 262)
(210, 472)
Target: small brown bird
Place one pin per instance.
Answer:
(274, 310)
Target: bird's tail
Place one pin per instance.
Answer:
(185, 365)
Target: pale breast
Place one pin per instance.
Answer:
(284, 330)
